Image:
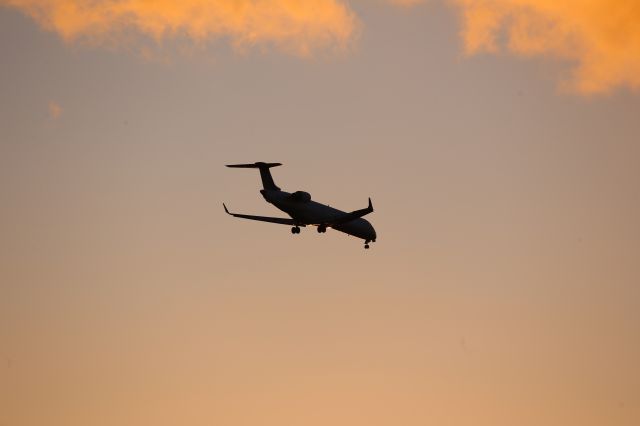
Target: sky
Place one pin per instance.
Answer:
(499, 143)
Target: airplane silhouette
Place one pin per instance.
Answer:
(304, 211)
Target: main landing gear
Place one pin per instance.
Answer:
(322, 229)
(295, 230)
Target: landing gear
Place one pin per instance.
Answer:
(295, 230)
(322, 229)
(366, 244)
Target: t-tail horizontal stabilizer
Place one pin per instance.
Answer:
(265, 174)
(257, 165)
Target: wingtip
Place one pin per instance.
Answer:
(370, 204)
(225, 208)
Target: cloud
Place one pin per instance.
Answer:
(55, 110)
(601, 38)
(295, 26)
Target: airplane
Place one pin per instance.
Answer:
(305, 212)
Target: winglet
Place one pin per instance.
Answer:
(225, 208)
(370, 205)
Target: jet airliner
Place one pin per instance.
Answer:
(305, 212)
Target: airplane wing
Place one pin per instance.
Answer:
(348, 217)
(280, 220)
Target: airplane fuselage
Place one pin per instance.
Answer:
(308, 212)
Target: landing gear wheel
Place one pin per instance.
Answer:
(322, 229)
(366, 246)
(295, 230)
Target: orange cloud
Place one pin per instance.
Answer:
(55, 110)
(602, 37)
(295, 26)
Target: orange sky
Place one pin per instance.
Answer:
(498, 141)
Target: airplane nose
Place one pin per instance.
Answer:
(372, 233)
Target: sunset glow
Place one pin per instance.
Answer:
(492, 146)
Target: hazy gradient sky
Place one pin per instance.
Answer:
(498, 139)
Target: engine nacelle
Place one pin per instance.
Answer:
(301, 197)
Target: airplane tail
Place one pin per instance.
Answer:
(265, 174)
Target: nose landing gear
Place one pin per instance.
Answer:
(366, 244)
